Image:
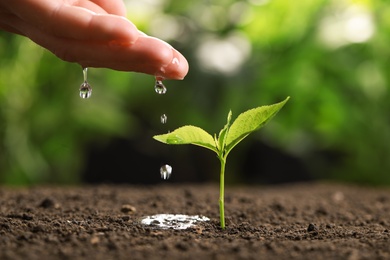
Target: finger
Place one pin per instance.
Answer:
(7, 24)
(90, 22)
(147, 55)
(177, 68)
(81, 24)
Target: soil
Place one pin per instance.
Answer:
(301, 221)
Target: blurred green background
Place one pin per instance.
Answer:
(331, 57)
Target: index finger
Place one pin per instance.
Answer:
(76, 22)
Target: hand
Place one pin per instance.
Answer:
(93, 33)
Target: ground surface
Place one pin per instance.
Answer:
(306, 221)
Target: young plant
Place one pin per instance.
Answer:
(228, 138)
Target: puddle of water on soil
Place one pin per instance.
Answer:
(173, 221)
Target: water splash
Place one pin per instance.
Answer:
(173, 221)
(85, 88)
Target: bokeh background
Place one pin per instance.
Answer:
(331, 57)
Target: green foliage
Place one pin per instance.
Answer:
(229, 136)
(44, 125)
(337, 124)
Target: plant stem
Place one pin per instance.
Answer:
(222, 193)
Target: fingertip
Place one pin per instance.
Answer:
(179, 65)
(176, 69)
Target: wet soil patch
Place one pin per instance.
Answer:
(305, 221)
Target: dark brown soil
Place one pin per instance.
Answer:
(306, 221)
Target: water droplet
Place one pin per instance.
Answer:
(85, 74)
(85, 88)
(159, 87)
(165, 171)
(163, 119)
(175, 139)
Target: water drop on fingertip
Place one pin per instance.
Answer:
(85, 74)
(166, 171)
(159, 87)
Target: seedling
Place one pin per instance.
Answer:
(230, 135)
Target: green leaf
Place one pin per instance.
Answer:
(223, 133)
(249, 122)
(188, 135)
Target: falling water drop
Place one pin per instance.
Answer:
(163, 119)
(159, 87)
(165, 171)
(85, 88)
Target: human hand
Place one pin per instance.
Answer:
(93, 33)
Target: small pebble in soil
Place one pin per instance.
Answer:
(47, 203)
(126, 208)
(125, 218)
(312, 228)
(95, 240)
(37, 229)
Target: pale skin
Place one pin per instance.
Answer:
(93, 33)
